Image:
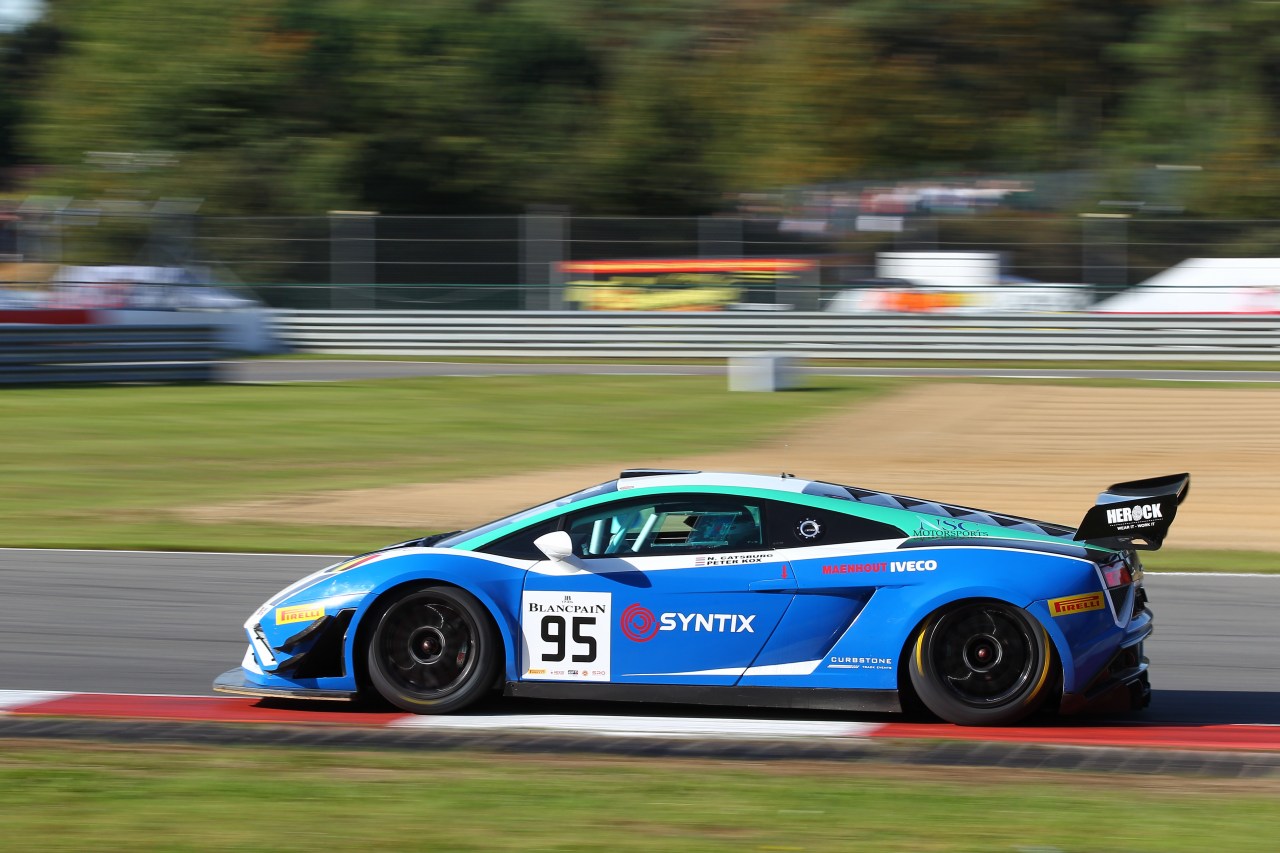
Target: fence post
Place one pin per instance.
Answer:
(40, 228)
(1104, 255)
(719, 237)
(542, 248)
(353, 261)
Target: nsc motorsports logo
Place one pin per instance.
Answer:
(950, 528)
(640, 625)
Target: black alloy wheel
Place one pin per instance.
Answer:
(434, 651)
(981, 663)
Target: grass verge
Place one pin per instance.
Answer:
(1210, 561)
(88, 797)
(104, 467)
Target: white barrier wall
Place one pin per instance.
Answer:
(598, 334)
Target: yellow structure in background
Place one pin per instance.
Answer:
(674, 284)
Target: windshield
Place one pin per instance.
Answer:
(455, 539)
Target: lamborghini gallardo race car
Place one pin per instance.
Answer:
(734, 589)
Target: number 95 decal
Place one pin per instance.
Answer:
(566, 635)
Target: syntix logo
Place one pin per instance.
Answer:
(639, 625)
(1141, 512)
(720, 623)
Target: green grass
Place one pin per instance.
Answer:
(85, 797)
(105, 467)
(1193, 560)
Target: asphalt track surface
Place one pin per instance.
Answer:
(340, 370)
(169, 623)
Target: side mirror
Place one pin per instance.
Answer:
(556, 545)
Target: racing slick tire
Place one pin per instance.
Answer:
(434, 650)
(981, 663)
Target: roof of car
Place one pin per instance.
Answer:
(660, 477)
(638, 478)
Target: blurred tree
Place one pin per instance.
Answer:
(25, 54)
(1207, 94)
(298, 106)
(914, 87)
(618, 106)
(470, 112)
(649, 152)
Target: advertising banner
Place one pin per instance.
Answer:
(678, 284)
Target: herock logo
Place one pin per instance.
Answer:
(1141, 512)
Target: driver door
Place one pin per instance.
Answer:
(670, 589)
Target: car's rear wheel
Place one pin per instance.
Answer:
(434, 650)
(981, 663)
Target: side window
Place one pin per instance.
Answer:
(795, 526)
(668, 526)
(519, 545)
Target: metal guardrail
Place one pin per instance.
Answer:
(552, 334)
(45, 355)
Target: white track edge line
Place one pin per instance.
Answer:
(194, 553)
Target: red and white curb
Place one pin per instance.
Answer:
(218, 709)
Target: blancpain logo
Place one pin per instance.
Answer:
(1141, 512)
(535, 607)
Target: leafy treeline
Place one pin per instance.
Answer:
(623, 106)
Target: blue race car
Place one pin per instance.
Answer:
(733, 589)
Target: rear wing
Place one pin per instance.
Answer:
(1139, 511)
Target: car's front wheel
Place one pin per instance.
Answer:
(434, 650)
(981, 663)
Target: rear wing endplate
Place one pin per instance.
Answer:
(1136, 514)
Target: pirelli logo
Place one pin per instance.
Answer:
(298, 613)
(1076, 604)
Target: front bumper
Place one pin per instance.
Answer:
(236, 682)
